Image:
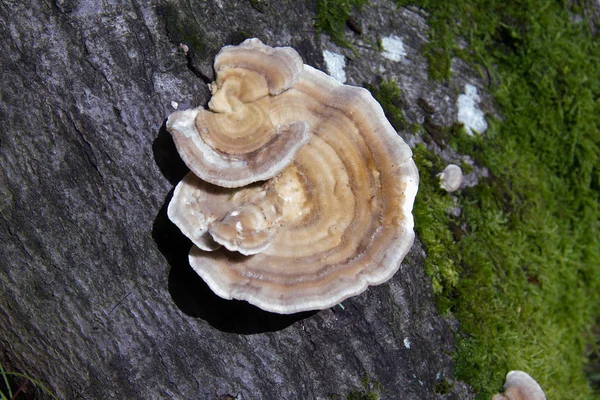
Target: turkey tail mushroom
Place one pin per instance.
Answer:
(234, 142)
(335, 220)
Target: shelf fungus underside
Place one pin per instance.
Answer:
(318, 206)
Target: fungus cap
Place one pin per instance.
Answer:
(520, 386)
(234, 142)
(281, 66)
(333, 222)
(451, 178)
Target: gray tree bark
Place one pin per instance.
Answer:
(97, 297)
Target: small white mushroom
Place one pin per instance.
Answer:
(451, 178)
(520, 386)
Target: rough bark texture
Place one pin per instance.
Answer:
(97, 297)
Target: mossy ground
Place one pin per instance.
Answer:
(520, 268)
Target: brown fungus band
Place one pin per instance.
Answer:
(234, 142)
(332, 220)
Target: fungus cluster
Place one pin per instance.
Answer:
(299, 193)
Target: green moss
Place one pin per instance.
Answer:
(388, 94)
(332, 16)
(466, 168)
(432, 222)
(259, 5)
(593, 367)
(520, 269)
(181, 28)
(240, 36)
(443, 386)
(370, 390)
(363, 395)
(425, 106)
(380, 44)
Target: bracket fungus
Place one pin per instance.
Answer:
(333, 216)
(234, 142)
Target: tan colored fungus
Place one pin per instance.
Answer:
(520, 386)
(333, 222)
(234, 142)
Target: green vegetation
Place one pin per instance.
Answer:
(443, 387)
(362, 395)
(430, 211)
(520, 268)
(388, 94)
(432, 223)
(180, 27)
(259, 5)
(8, 378)
(370, 390)
(332, 16)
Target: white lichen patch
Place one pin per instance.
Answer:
(335, 65)
(393, 48)
(468, 113)
(407, 343)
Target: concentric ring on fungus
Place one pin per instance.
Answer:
(234, 142)
(336, 220)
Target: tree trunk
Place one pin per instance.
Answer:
(98, 299)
